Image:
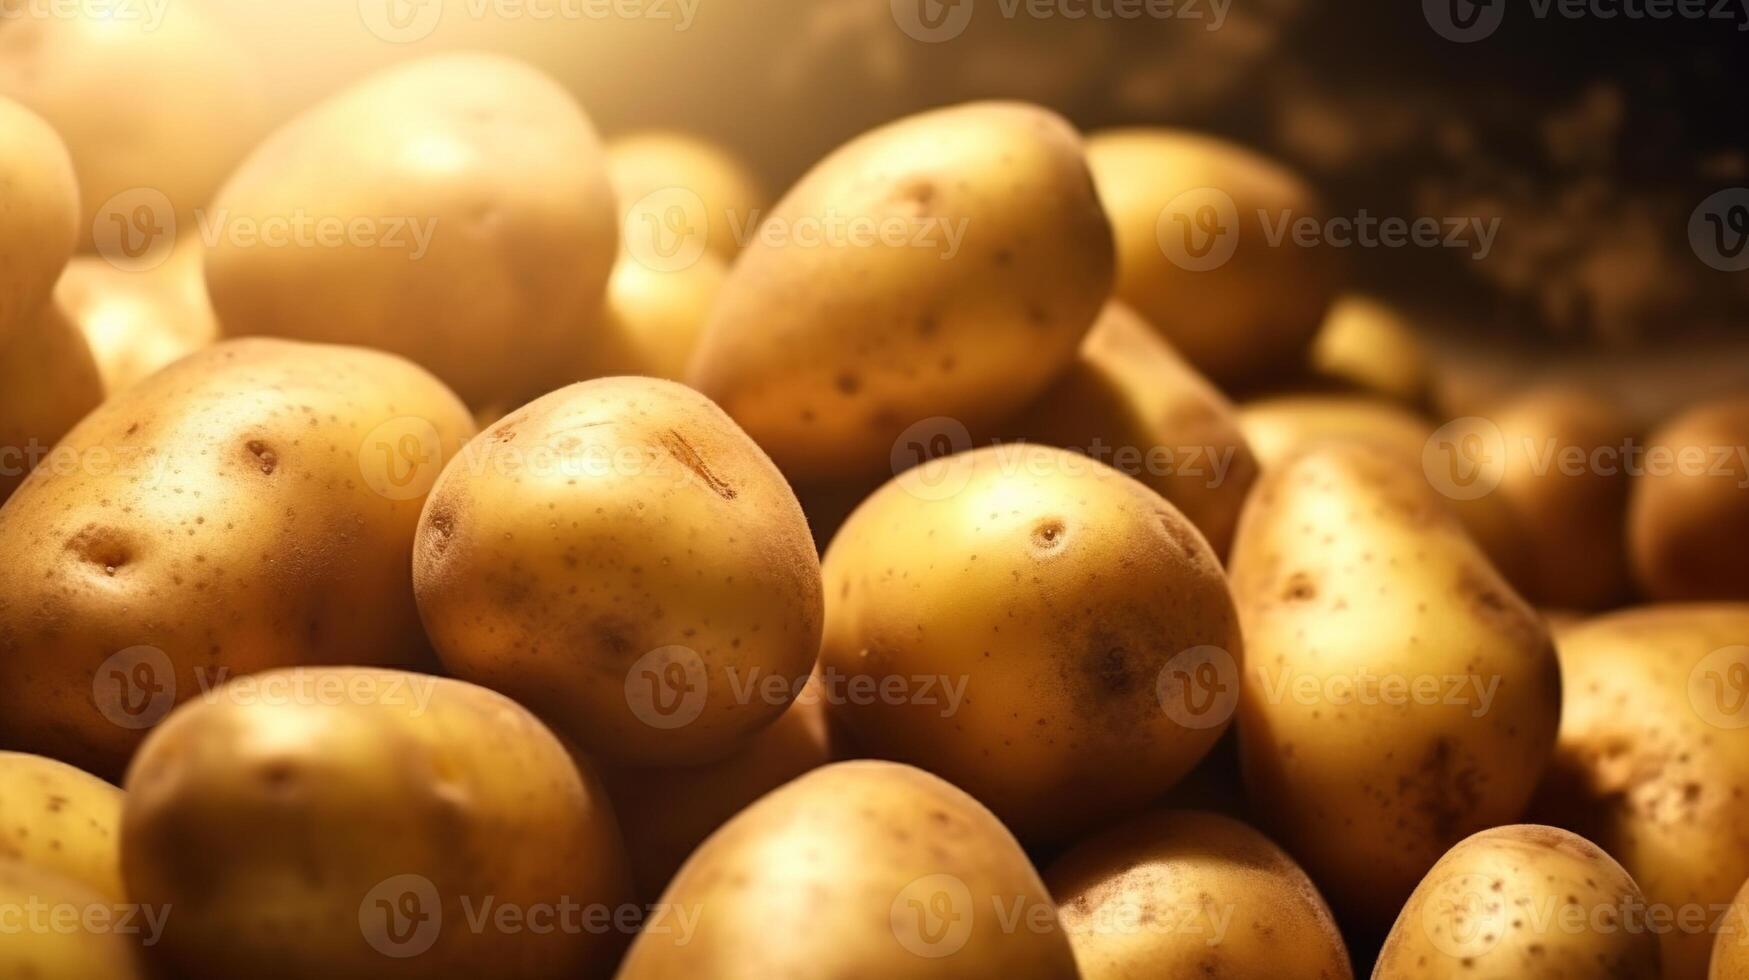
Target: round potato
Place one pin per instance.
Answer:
(1187, 894)
(41, 212)
(654, 171)
(454, 210)
(139, 321)
(251, 506)
(621, 558)
(59, 929)
(1194, 218)
(57, 817)
(1397, 694)
(653, 318)
(860, 869)
(1368, 343)
(1129, 400)
(48, 382)
(1689, 511)
(1653, 762)
(156, 105)
(945, 265)
(351, 822)
(1035, 627)
(1523, 901)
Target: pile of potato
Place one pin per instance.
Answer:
(575, 565)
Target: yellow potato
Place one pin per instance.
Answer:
(653, 318)
(1024, 627)
(1689, 512)
(1194, 218)
(666, 813)
(621, 558)
(1398, 695)
(48, 382)
(945, 265)
(351, 822)
(656, 170)
(1518, 902)
(860, 869)
(59, 929)
(454, 210)
(59, 818)
(156, 105)
(1731, 948)
(251, 506)
(1652, 761)
(1371, 345)
(1187, 894)
(39, 223)
(138, 321)
(1130, 401)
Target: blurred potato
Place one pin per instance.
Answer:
(1195, 219)
(41, 210)
(139, 321)
(48, 382)
(654, 171)
(1130, 401)
(1689, 514)
(1187, 894)
(155, 103)
(455, 210)
(58, 818)
(1371, 345)
(61, 929)
(653, 318)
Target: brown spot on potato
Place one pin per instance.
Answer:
(1049, 534)
(266, 459)
(687, 456)
(1299, 588)
(104, 547)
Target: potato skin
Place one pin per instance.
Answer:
(41, 217)
(1367, 343)
(827, 354)
(61, 819)
(1129, 395)
(653, 317)
(1248, 319)
(222, 517)
(56, 952)
(1685, 529)
(1731, 949)
(311, 790)
(48, 382)
(1180, 893)
(1056, 593)
(606, 524)
(655, 161)
(1493, 907)
(1652, 762)
(520, 217)
(1348, 571)
(859, 870)
(139, 321)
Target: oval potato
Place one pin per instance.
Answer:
(655, 170)
(41, 216)
(139, 321)
(1371, 344)
(653, 318)
(48, 382)
(56, 817)
(1689, 514)
(50, 935)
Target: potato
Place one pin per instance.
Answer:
(666, 813)
(621, 558)
(138, 321)
(251, 506)
(1398, 695)
(48, 382)
(1130, 401)
(1187, 894)
(1690, 508)
(653, 318)
(455, 210)
(1523, 901)
(155, 103)
(1194, 218)
(41, 212)
(1652, 762)
(656, 170)
(1036, 628)
(945, 265)
(59, 929)
(353, 822)
(860, 869)
(56, 817)
(1731, 948)
(1368, 343)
